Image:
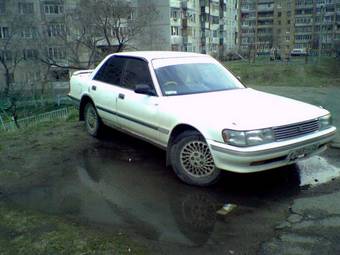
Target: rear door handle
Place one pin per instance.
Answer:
(121, 96)
(94, 87)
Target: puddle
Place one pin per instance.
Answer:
(142, 198)
(316, 171)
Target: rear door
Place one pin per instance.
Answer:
(104, 89)
(137, 113)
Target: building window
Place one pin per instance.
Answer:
(5, 55)
(32, 76)
(56, 53)
(26, 8)
(4, 32)
(54, 9)
(174, 30)
(2, 7)
(28, 32)
(215, 33)
(56, 29)
(174, 14)
(30, 54)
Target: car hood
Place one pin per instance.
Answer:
(241, 109)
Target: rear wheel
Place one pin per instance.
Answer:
(93, 123)
(192, 160)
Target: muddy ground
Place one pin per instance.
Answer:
(40, 197)
(64, 192)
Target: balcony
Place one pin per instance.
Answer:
(187, 5)
(175, 3)
(175, 22)
(265, 8)
(214, 26)
(215, 13)
(245, 25)
(216, 40)
(176, 39)
(266, 17)
(245, 9)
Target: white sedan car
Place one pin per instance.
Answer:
(194, 108)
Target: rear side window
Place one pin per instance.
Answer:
(111, 71)
(136, 72)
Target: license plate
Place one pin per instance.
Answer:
(302, 152)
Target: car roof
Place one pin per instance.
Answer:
(151, 55)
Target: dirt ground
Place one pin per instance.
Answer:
(64, 192)
(33, 160)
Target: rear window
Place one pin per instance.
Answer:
(111, 71)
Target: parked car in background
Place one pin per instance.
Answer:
(298, 52)
(204, 117)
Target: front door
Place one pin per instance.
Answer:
(137, 113)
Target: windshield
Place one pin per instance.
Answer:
(191, 78)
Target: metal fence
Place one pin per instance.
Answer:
(34, 120)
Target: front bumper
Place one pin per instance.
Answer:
(272, 155)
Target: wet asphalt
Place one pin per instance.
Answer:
(121, 184)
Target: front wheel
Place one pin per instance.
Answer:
(192, 160)
(93, 123)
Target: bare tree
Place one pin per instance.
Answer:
(97, 28)
(13, 32)
(119, 21)
(76, 39)
(10, 50)
(252, 44)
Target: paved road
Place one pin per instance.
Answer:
(327, 97)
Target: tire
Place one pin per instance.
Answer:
(192, 161)
(93, 122)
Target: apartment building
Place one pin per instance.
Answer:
(316, 24)
(28, 30)
(289, 24)
(36, 30)
(230, 24)
(204, 26)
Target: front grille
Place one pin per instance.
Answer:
(295, 130)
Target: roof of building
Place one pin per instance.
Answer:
(150, 55)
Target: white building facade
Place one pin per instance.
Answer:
(203, 26)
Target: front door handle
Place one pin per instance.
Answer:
(121, 96)
(94, 87)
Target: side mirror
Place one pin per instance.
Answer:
(239, 78)
(145, 89)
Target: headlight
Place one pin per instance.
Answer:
(325, 121)
(248, 138)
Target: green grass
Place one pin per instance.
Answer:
(45, 125)
(28, 232)
(34, 110)
(28, 111)
(73, 116)
(296, 73)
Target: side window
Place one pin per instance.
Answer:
(136, 72)
(111, 71)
